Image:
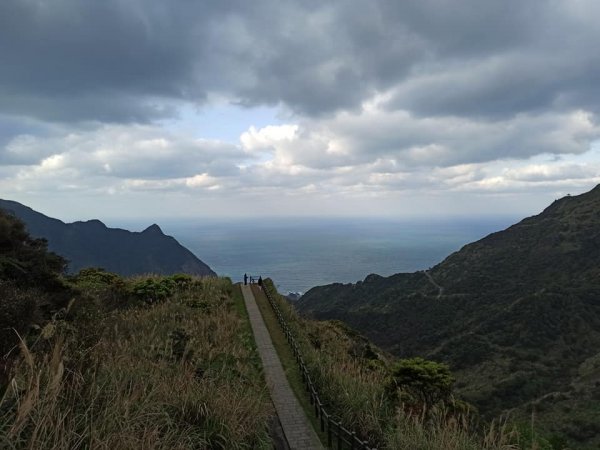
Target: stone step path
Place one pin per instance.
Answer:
(296, 426)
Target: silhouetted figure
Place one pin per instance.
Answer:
(245, 279)
(260, 281)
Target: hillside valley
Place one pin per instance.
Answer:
(516, 315)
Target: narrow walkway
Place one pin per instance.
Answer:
(296, 426)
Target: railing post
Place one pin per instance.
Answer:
(339, 435)
(322, 420)
(329, 441)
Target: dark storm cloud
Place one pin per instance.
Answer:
(72, 60)
(119, 61)
(340, 54)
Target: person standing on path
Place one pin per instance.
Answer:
(245, 279)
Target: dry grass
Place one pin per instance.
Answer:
(441, 432)
(175, 375)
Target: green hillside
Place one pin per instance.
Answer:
(516, 315)
(403, 404)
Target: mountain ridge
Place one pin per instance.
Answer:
(92, 244)
(516, 315)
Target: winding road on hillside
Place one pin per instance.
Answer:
(297, 428)
(437, 286)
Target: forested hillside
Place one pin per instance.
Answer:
(516, 315)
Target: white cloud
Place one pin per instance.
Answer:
(266, 138)
(371, 154)
(406, 141)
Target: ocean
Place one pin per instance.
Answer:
(301, 253)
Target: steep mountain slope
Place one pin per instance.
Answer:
(516, 315)
(93, 244)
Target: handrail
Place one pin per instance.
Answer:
(334, 428)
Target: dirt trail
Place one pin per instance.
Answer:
(434, 283)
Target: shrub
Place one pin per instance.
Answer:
(182, 279)
(428, 382)
(153, 290)
(98, 277)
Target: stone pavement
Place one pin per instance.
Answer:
(296, 426)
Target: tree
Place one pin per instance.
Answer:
(426, 381)
(29, 282)
(26, 261)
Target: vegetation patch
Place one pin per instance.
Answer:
(164, 375)
(395, 403)
(123, 363)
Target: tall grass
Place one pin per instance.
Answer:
(439, 431)
(176, 374)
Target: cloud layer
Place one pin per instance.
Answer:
(376, 98)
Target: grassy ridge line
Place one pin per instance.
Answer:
(180, 373)
(287, 359)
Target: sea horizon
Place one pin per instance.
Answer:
(303, 252)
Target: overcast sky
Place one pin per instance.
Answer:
(181, 108)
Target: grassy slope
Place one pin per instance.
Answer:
(181, 373)
(351, 374)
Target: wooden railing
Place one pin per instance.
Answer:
(344, 438)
